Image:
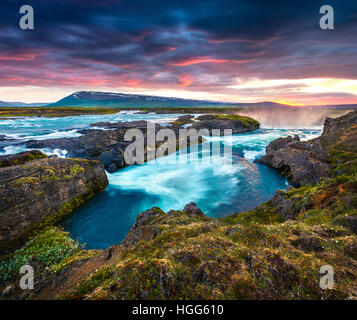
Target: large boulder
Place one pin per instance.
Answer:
(335, 127)
(305, 162)
(41, 192)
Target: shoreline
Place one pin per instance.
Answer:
(8, 112)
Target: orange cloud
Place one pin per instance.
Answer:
(133, 82)
(185, 80)
(196, 60)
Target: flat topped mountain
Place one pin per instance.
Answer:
(111, 99)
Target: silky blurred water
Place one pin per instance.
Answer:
(218, 188)
(26, 128)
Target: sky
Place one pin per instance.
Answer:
(234, 51)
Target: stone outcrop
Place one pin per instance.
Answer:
(335, 127)
(139, 231)
(304, 161)
(41, 192)
(307, 162)
(106, 145)
(20, 158)
(237, 123)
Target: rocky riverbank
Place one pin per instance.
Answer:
(308, 162)
(304, 162)
(108, 145)
(36, 191)
(272, 252)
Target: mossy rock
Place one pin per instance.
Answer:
(20, 158)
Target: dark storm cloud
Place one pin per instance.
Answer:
(184, 43)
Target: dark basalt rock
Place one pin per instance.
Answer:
(305, 162)
(186, 117)
(105, 145)
(183, 120)
(41, 192)
(143, 229)
(193, 210)
(335, 127)
(87, 131)
(20, 158)
(141, 124)
(140, 231)
(284, 206)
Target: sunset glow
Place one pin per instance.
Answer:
(182, 52)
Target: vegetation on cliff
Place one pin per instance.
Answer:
(49, 247)
(40, 192)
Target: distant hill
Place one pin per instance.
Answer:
(122, 100)
(5, 104)
(20, 104)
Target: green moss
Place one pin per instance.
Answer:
(26, 180)
(98, 278)
(76, 169)
(82, 255)
(48, 248)
(21, 158)
(57, 214)
(235, 117)
(265, 214)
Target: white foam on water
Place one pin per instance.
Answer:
(58, 152)
(176, 180)
(56, 135)
(252, 155)
(13, 150)
(52, 135)
(26, 128)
